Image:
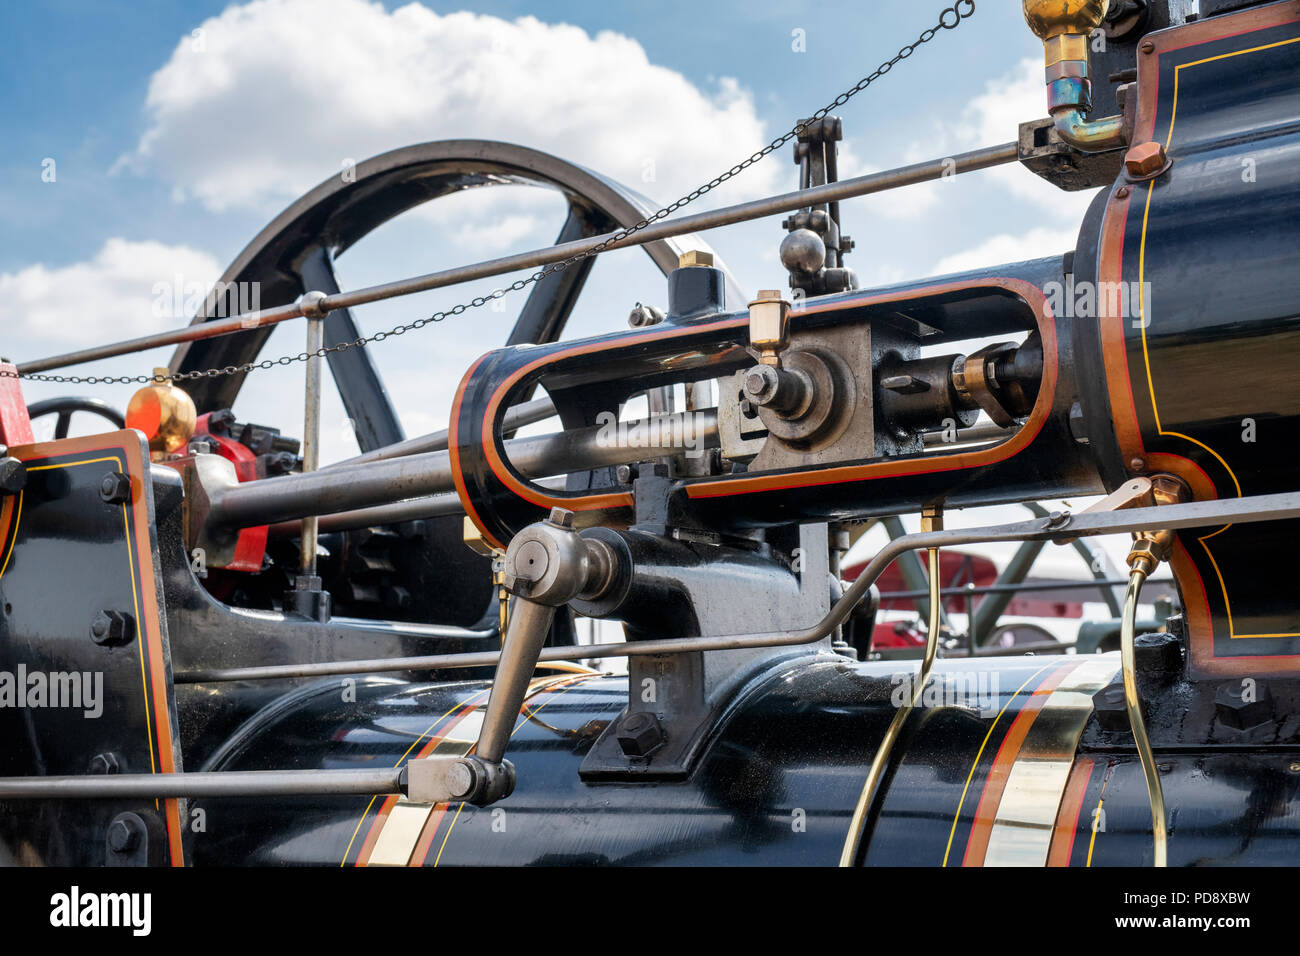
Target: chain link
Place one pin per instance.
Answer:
(949, 19)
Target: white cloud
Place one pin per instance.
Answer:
(996, 250)
(284, 91)
(126, 289)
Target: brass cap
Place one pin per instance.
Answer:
(694, 257)
(164, 412)
(1053, 18)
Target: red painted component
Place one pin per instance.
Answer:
(250, 546)
(957, 569)
(15, 425)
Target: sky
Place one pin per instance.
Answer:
(144, 144)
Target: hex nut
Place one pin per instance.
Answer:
(1241, 710)
(640, 734)
(1145, 159)
(110, 628)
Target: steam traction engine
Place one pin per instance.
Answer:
(307, 665)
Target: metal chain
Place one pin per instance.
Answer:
(949, 19)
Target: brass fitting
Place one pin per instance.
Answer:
(1064, 27)
(165, 413)
(1152, 547)
(769, 326)
(1050, 19)
(478, 543)
(932, 518)
(695, 258)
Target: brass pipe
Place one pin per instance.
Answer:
(1064, 26)
(931, 521)
(1155, 794)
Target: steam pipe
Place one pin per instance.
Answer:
(1064, 26)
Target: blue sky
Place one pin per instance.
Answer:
(173, 148)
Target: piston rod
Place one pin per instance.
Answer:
(338, 489)
(742, 212)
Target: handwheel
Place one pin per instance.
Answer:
(66, 407)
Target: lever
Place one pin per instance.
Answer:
(547, 565)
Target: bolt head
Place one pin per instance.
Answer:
(460, 780)
(104, 763)
(110, 628)
(561, 518)
(761, 384)
(122, 838)
(1241, 711)
(1145, 159)
(13, 476)
(640, 734)
(115, 488)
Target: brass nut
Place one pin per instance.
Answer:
(694, 257)
(1145, 159)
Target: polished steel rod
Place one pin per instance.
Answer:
(1198, 514)
(311, 446)
(330, 491)
(199, 785)
(728, 215)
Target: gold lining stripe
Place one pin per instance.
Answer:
(1026, 814)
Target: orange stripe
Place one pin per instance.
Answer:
(1067, 817)
(977, 843)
